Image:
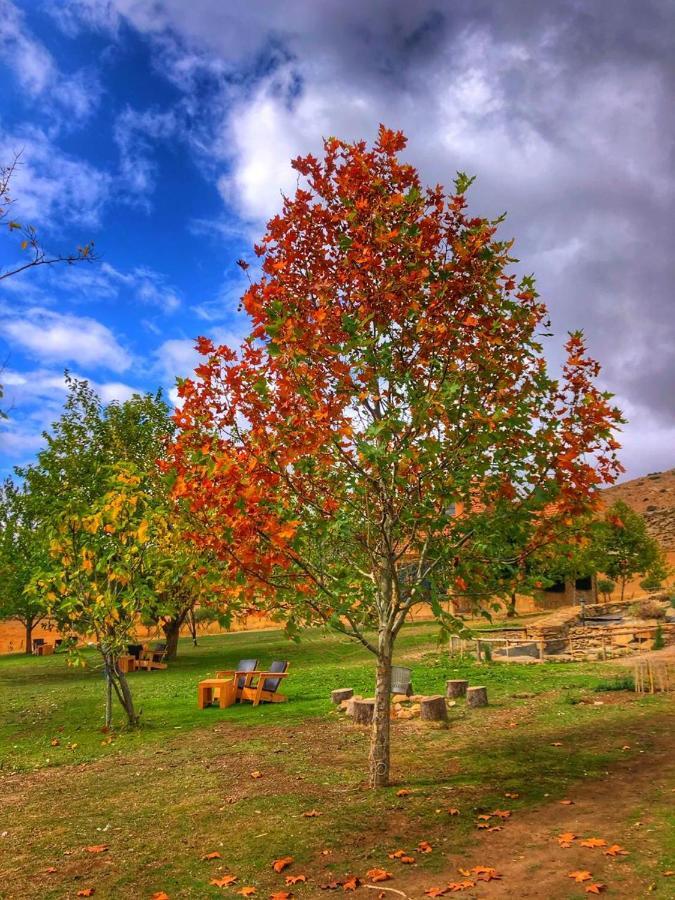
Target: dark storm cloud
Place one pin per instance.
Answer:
(564, 111)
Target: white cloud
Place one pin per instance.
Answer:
(64, 338)
(70, 97)
(52, 188)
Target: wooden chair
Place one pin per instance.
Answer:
(263, 686)
(150, 658)
(243, 671)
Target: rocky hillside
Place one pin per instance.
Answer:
(653, 496)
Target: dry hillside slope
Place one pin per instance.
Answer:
(653, 496)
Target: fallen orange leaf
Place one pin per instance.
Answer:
(256, 774)
(247, 891)
(403, 792)
(280, 864)
(580, 875)
(436, 892)
(565, 840)
(311, 814)
(511, 795)
(55, 742)
(214, 855)
(396, 854)
(50, 870)
(596, 888)
(615, 850)
(593, 843)
(456, 886)
(351, 884)
(502, 813)
(225, 881)
(452, 811)
(281, 895)
(97, 848)
(567, 802)
(86, 892)
(481, 873)
(160, 895)
(296, 879)
(378, 875)
(424, 847)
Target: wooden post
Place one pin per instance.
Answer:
(604, 648)
(541, 649)
(341, 694)
(476, 696)
(363, 711)
(456, 687)
(433, 709)
(478, 656)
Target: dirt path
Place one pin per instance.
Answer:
(530, 860)
(667, 654)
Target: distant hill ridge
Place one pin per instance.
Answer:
(653, 496)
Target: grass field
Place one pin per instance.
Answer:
(162, 797)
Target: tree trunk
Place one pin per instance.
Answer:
(172, 633)
(28, 625)
(108, 698)
(511, 608)
(380, 743)
(116, 679)
(623, 586)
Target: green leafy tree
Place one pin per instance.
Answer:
(606, 588)
(626, 548)
(22, 552)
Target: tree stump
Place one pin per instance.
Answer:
(363, 710)
(476, 696)
(456, 687)
(433, 709)
(342, 694)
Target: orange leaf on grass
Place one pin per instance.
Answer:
(502, 813)
(97, 848)
(50, 870)
(256, 774)
(593, 843)
(311, 814)
(615, 850)
(351, 884)
(378, 875)
(86, 892)
(160, 895)
(214, 855)
(596, 888)
(424, 847)
(580, 875)
(225, 881)
(280, 864)
(247, 891)
(456, 886)
(481, 873)
(296, 879)
(436, 892)
(403, 792)
(453, 811)
(396, 854)
(565, 840)
(566, 802)
(281, 895)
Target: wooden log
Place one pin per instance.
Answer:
(455, 687)
(476, 696)
(341, 694)
(362, 711)
(433, 709)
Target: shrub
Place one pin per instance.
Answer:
(659, 643)
(606, 587)
(648, 609)
(620, 683)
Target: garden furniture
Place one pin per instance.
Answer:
(263, 686)
(150, 659)
(226, 689)
(244, 668)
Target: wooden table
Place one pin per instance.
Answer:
(126, 663)
(227, 692)
(44, 650)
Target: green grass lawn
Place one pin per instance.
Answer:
(163, 796)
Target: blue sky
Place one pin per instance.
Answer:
(163, 131)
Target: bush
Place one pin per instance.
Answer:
(659, 643)
(620, 683)
(648, 609)
(606, 587)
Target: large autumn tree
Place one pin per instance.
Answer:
(389, 423)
